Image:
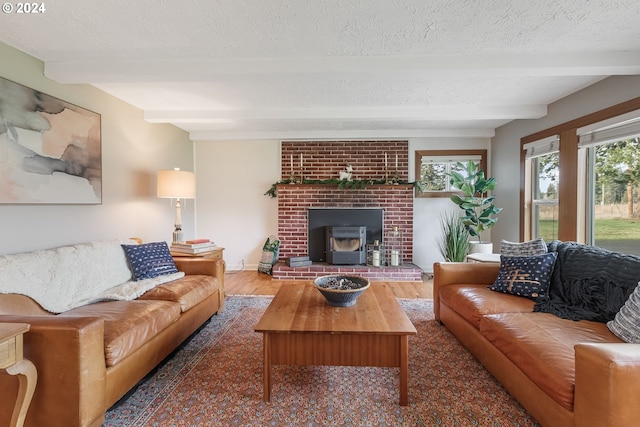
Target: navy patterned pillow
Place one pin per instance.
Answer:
(525, 276)
(149, 260)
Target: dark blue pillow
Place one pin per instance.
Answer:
(525, 276)
(149, 260)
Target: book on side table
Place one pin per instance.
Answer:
(200, 250)
(193, 247)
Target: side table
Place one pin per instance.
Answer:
(13, 362)
(214, 253)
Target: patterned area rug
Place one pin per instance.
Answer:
(216, 380)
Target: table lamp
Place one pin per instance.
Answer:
(176, 184)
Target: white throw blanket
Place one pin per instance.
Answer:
(67, 277)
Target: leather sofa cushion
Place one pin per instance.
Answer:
(188, 291)
(474, 301)
(21, 304)
(542, 346)
(128, 324)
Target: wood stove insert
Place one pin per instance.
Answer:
(346, 245)
(321, 218)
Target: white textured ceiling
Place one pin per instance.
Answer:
(238, 69)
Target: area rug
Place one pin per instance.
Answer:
(216, 380)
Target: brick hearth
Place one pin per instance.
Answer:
(406, 272)
(324, 160)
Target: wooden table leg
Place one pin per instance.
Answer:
(404, 370)
(266, 343)
(27, 378)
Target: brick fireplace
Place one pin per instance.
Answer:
(323, 160)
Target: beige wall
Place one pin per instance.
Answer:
(506, 144)
(132, 151)
(232, 210)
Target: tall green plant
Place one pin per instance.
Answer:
(479, 210)
(454, 240)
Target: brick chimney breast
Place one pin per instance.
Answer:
(323, 160)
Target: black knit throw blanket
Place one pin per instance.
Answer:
(589, 283)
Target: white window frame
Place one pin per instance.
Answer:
(589, 137)
(532, 151)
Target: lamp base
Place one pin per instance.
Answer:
(177, 232)
(177, 235)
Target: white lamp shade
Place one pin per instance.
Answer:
(176, 184)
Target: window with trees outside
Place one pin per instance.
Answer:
(613, 186)
(432, 167)
(544, 169)
(581, 180)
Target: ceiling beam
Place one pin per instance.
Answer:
(442, 112)
(167, 70)
(341, 135)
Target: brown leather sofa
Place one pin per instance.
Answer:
(563, 372)
(89, 357)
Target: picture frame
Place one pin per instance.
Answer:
(50, 149)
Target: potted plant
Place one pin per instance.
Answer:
(454, 241)
(478, 207)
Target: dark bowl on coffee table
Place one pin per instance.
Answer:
(341, 291)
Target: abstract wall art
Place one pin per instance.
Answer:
(50, 150)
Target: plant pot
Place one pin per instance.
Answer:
(480, 248)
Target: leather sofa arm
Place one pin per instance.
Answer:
(457, 273)
(607, 391)
(200, 265)
(68, 353)
(206, 266)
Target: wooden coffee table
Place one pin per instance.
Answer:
(300, 328)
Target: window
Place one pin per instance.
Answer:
(613, 167)
(595, 172)
(545, 201)
(542, 162)
(432, 167)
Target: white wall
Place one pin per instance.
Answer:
(427, 211)
(506, 143)
(132, 152)
(231, 208)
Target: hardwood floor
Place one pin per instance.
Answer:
(255, 283)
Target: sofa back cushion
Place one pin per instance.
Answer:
(528, 248)
(15, 304)
(589, 283)
(63, 278)
(626, 324)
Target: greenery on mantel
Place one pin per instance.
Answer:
(341, 183)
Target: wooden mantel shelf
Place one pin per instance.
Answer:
(347, 188)
(320, 186)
